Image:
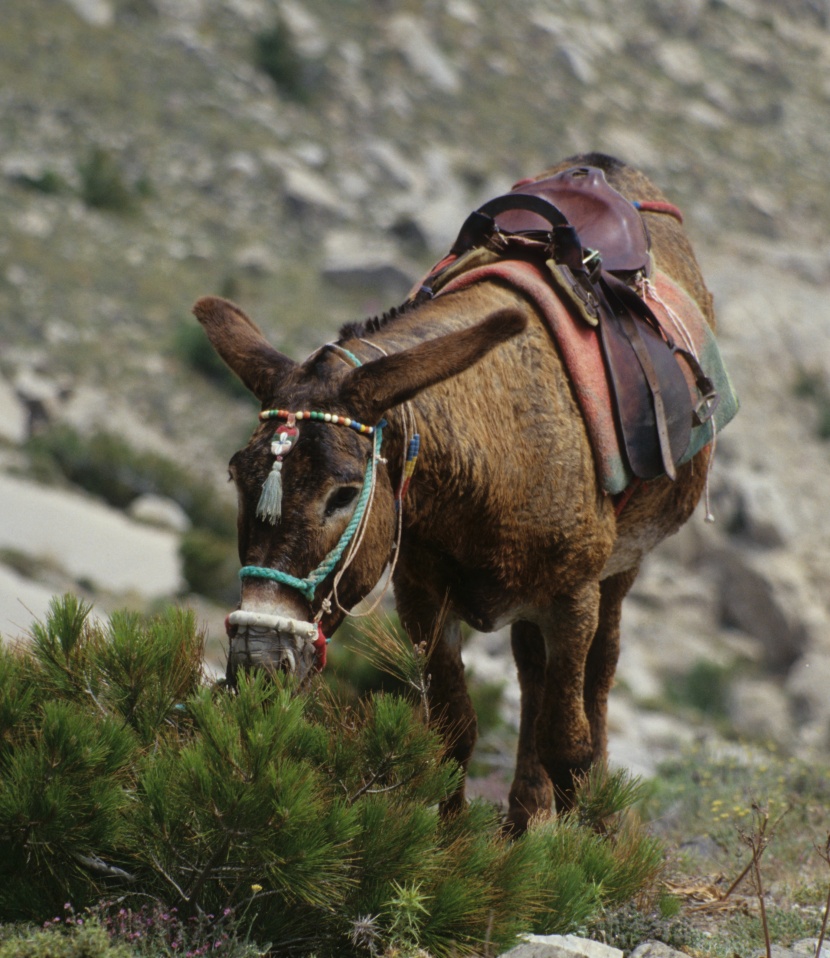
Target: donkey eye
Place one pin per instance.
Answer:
(340, 498)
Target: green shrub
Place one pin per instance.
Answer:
(102, 183)
(812, 386)
(210, 566)
(629, 926)
(48, 182)
(704, 688)
(124, 777)
(276, 54)
(87, 940)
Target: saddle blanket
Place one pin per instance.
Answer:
(579, 347)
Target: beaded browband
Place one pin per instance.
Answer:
(290, 417)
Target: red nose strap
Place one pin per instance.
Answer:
(320, 648)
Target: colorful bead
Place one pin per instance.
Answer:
(317, 416)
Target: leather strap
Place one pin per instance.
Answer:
(481, 223)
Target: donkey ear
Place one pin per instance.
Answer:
(242, 346)
(372, 389)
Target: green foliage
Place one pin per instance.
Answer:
(147, 669)
(311, 822)
(76, 707)
(596, 856)
(628, 926)
(88, 940)
(48, 182)
(276, 54)
(704, 688)
(102, 183)
(110, 931)
(812, 386)
(210, 565)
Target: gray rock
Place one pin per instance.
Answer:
(655, 949)
(768, 597)
(353, 262)
(681, 61)
(808, 686)
(760, 710)
(307, 192)
(97, 13)
(761, 512)
(89, 541)
(308, 32)
(562, 946)
(776, 951)
(159, 511)
(410, 37)
(14, 420)
(806, 948)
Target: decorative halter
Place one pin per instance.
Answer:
(270, 502)
(269, 508)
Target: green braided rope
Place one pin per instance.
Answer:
(308, 586)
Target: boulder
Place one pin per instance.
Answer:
(767, 596)
(808, 685)
(307, 193)
(89, 541)
(97, 13)
(656, 949)
(562, 946)
(351, 261)
(159, 511)
(759, 709)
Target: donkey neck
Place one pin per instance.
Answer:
(442, 412)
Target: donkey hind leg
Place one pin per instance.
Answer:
(563, 731)
(450, 706)
(602, 658)
(531, 791)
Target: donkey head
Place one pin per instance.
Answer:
(308, 484)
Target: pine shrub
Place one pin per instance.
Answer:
(125, 777)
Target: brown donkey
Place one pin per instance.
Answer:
(505, 520)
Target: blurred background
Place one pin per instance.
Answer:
(309, 159)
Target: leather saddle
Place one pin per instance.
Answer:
(593, 240)
(603, 218)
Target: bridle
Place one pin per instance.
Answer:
(270, 505)
(307, 587)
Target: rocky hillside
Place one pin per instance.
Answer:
(308, 158)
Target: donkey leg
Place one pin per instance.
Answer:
(531, 791)
(563, 732)
(451, 709)
(603, 656)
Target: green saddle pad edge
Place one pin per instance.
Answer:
(618, 477)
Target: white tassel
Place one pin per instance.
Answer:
(270, 502)
(269, 506)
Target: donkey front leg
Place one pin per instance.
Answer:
(451, 709)
(531, 791)
(602, 658)
(563, 731)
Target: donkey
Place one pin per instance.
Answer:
(504, 521)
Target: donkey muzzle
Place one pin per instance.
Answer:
(276, 643)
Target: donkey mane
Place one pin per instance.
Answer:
(358, 328)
